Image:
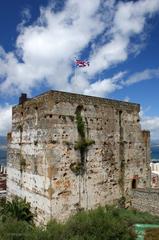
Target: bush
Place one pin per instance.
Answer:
(18, 209)
(103, 223)
(97, 224)
(12, 229)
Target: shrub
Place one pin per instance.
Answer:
(103, 223)
(97, 224)
(17, 208)
(12, 229)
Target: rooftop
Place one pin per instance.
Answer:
(60, 96)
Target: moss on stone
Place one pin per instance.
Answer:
(22, 164)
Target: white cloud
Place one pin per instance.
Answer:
(127, 99)
(45, 50)
(26, 16)
(5, 119)
(101, 88)
(104, 87)
(151, 124)
(129, 20)
(142, 76)
(108, 54)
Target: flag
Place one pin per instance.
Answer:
(81, 63)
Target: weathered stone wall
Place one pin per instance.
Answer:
(146, 200)
(58, 178)
(3, 178)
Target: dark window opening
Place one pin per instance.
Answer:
(79, 109)
(120, 112)
(133, 183)
(154, 180)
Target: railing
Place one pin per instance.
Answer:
(3, 193)
(3, 176)
(3, 169)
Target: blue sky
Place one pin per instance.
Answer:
(40, 39)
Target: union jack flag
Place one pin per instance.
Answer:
(81, 63)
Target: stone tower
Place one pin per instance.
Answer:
(68, 152)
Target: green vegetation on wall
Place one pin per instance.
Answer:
(82, 144)
(22, 164)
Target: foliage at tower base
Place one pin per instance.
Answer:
(103, 223)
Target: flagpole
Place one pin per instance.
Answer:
(75, 74)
